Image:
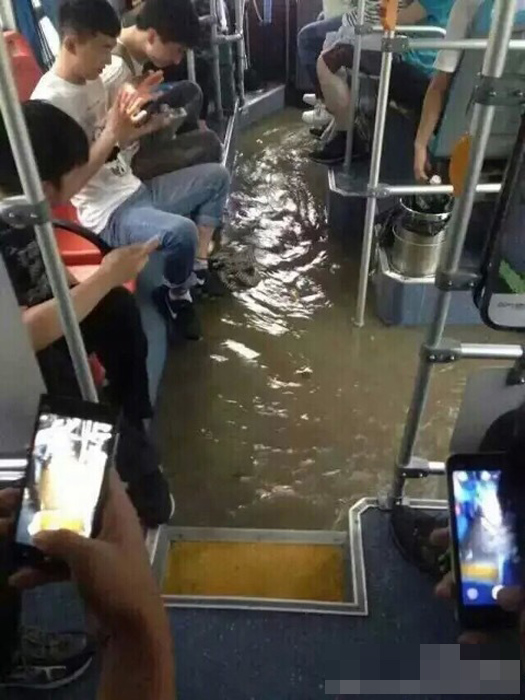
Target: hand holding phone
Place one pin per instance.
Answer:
(484, 544)
(72, 449)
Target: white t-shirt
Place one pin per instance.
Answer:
(459, 22)
(114, 182)
(115, 76)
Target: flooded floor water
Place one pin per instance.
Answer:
(286, 413)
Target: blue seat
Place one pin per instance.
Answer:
(456, 117)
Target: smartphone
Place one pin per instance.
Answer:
(484, 542)
(72, 449)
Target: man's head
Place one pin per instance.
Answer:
(60, 146)
(88, 32)
(169, 28)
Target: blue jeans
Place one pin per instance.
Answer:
(310, 42)
(163, 206)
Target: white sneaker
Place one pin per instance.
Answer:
(310, 98)
(317, 117)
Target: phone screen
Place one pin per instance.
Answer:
(66, 472)
(486, 539)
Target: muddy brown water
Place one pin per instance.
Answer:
(286, 413)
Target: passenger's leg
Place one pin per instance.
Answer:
(200, 192)
(137, 221)
(408, 86)
(310, 42)
(113, 330)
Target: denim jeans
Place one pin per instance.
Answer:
(171, 207)
(310, 42)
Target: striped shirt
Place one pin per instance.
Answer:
(372, 12)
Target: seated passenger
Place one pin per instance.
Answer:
(447, 62)
(310, 42)
(157, 34)
(411, 72)
(109, 318)
(109, 199)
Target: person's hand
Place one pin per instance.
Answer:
(9, 499)
(123, 115)
(421, 163)
(156, 122)
(112, 572)
(124, 264)
(511, 599)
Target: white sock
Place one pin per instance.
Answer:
(200, 264)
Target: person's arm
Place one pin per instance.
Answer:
(430, 115)
(114, 579)
(119, 266)
(413, 14)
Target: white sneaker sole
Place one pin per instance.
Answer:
(310, 99)
(53, 684)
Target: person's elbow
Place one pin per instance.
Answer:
(440, 83)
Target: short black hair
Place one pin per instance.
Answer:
(173, 20)
(88, 18)
(59, 144)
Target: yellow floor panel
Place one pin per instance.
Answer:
(256, 570)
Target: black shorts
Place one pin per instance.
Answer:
(408, 84)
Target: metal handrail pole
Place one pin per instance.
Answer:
(32, 187)
(481, 124)
(457, 45)
(190, 58)
(216, 61)
(241, 49)
(407, 190)
(412, 29)
(375, 168)
(354, 90)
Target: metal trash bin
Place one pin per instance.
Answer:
(419, 233)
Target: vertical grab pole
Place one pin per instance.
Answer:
(241, 52)
(481, 125)
(216, 60)
(354, 94)
(375, 169)
(33, 191)
(190, 58)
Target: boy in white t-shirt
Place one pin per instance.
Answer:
(447, 62)
(109, 199)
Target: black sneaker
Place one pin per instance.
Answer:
(152, 499)
(180, 314)
(208, 284)
(48, 660)
(335, 150)
(317, 132)
(411, 529)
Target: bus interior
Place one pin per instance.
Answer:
(308, 431)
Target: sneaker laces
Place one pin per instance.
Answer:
(39, 644)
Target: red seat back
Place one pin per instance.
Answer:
(26, 70)
(74, 249)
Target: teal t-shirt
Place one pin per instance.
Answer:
(437, 16)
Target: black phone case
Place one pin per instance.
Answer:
(28, 555)
(483, 616)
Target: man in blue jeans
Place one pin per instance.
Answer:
(182, 209)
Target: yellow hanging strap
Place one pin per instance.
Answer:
(389, 10)
(459, 164)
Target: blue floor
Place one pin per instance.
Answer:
(282, 656)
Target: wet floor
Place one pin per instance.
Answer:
(286, 413)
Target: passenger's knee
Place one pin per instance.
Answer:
(219, 176)
(304, 37)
